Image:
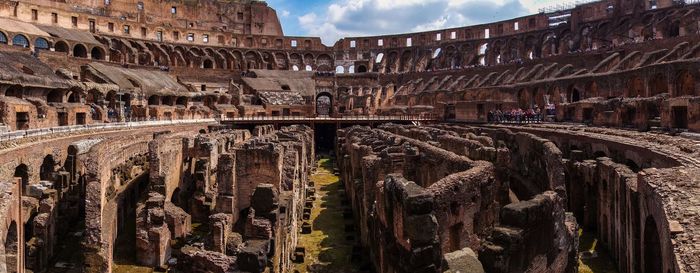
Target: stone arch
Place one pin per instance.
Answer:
(324, 104)
(20, 40)
(361, 69)
(574, 93)
(41, 44)
(154, 100)
(55, 96)
(22, 171)
(61, 46)
(47, 168)
(75, 97)
(12, 256)
(658, 84)
(653, 262)
(97, 53)
(339, 69)
(181, 101)
(406, 61)
(550, 45)
(685, 84)
(208, 64)
(3, 38)
(79, 51)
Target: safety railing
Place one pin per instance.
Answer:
(12, 135)
(333, 118)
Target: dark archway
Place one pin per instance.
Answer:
(74, 97)
(361, 69)
(658, 85)
(652, 247)
(154, 100)
(47, 168)
(79, 51)
(61, 46)
(22, 171)
(97, 53)
(11, 248)
(208, 64)
(55, 96)
(324, 104)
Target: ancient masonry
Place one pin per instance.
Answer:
(181, 136)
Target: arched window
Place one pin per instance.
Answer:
(295, 67)
(351, 70)
(436, 53)
(3, 38)
(309, 68)
(362, 69)
(339, 69)
(380, 57)
(20, 40)
(41, 43)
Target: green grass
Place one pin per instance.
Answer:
(593, 258)
(327, 250)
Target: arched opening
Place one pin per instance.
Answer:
(574, 94)
(208, 64)
(339, 69)
(20, 40)
(175, 198)
(154, 100)
(41, 44)
(61, 46)
(351, 69)
(3, 38)
(309, 68)
(658, 85)
(79, 51)
(652, 247)
(55, 96)
(14, 91)
(361, 69)
(22, 171)
(324, 104)
(74, 97)
(11, 248)
(168, 100)
(97, 53)
(685, 84)
(181, 101)
(47, 168)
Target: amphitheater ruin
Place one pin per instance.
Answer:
(194, 136)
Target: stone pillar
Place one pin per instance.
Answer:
(152, 233)
(220, 224)
(226, 201)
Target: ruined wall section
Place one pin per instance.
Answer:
(415, 225)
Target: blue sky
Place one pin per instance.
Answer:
(334, 19)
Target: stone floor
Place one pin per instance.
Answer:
(329, 246)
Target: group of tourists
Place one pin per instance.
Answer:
(516, 115)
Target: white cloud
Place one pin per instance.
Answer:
(285, 13)
(347, 18)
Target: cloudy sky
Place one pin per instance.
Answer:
(333, 19)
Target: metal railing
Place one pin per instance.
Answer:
(332, 118)
(12, 135)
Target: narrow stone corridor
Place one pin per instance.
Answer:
(332, 245)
